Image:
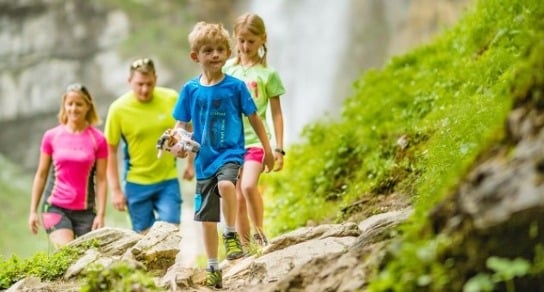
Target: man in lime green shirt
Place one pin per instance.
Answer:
(137, 119)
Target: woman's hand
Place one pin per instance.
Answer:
(34, 222)
(98, 222)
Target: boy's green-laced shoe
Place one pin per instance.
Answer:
(233, 247)
(214, 278)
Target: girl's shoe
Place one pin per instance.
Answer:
(260, 239)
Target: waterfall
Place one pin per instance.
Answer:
(305, 44)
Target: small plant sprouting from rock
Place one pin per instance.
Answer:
(118, 277)
(42, 265)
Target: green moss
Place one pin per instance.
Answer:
(118, 277)
(41, 265)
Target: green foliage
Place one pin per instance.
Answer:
(16, 239)
(300, 195)
(505, 271)
(118, 277)
(42, 265)
(538, 264)
(426, 273)
(510, 36)
(446, 102)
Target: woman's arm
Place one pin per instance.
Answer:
(40, 178)
(101, 193)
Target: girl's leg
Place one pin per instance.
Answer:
(252, 195)
(242, 221)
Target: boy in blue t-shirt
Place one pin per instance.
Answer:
(214, 103)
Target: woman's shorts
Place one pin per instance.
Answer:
(55, 218)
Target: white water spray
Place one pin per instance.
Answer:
(305, 43)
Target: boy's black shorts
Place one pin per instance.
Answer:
(207, 197)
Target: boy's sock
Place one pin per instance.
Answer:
(213, 263)
(229, 229)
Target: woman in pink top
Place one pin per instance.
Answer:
(74, 188)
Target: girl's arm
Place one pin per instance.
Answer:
(277, 120)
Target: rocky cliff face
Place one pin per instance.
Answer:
(47, 44)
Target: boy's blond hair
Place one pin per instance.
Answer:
(205, 33)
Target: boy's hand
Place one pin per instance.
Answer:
(178, 142)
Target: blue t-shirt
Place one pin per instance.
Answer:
(216, 113)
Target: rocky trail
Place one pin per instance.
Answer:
(328, 257)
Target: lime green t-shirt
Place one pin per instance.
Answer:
(263, 83)
(137, 126)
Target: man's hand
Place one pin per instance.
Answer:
(119, 201)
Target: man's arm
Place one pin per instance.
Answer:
(118, 197)
(38, 186)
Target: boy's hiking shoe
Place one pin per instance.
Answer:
(233, 247)
(214, 278)
(260, 239)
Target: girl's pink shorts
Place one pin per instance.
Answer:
(254, 154)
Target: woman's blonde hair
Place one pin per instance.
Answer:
(205, 32)
(92, 116)
(254, 24)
